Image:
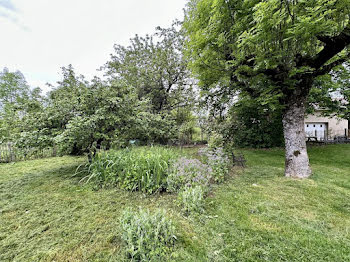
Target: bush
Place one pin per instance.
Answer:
(191, 200)
(148, 237)
(188, 172)
(250, 123)
(138, 169)
(215, 140)
(219, 162)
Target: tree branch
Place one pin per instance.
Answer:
(327, 68)
(288, 9)
(333, 46)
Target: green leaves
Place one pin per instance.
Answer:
(273, 31)
(147, 236)
(136, 169)
(155, 67)
(191, 200)
(17, 103)
(269, 52)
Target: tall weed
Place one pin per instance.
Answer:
(137, 169)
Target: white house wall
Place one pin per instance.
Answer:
(336, 126)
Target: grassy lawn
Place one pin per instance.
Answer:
(258, 215)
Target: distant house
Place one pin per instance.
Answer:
(325, 128)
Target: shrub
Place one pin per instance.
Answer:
(144, 169)
(215, 140)
(148, 237)
(191, 200)
(188, 172)
(217, 159)
(250, 123)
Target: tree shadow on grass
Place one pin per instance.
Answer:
(32, 180)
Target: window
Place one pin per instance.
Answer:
(321, 125)
(307, 125)
(314, 125)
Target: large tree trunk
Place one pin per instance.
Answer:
(297, 160)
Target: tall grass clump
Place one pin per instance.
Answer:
(147, 236)
(137, 169)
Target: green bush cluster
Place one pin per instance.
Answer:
(252, 124)
(142, 169)
(147, 236)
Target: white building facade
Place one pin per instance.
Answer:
(325, 128)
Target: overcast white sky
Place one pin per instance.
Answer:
(38, 37)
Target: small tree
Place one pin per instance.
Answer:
(17, 101)
(286, 43)
(156, 67)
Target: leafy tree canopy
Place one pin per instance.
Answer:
(287, 44)
(155, 66)
(279, 39)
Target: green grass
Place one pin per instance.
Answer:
(258, 215)
(136, 169)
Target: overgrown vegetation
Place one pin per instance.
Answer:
(191, 200)
(188, 172)
(135, 169)
(258, 215)
(155, 169)
(219, 161)
(147, 236)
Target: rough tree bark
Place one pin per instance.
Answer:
(297, 160)
(295, 99)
